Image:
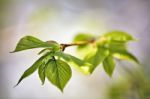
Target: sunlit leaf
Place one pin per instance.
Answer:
(116, 46)
(29, 42)
(96, 57)
(58, 73)
(82, 50)
(119, 50)
(80, 38)
(118, 36)
(78, 63)
(33, 68)
(42, 51)
(83, 37)
(109, 65)
(125, 55)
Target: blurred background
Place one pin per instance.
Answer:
(60, 20)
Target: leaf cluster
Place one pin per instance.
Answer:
(55, 65)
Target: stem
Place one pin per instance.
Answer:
(63, 46)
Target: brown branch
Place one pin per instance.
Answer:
(63, 46)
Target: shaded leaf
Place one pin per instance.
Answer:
(41, 72)
(58, 73)
(33, 68)
(78, 63)
(29, 42)
(42, 67)
(118, 36)
(109, 65)
(96, 57)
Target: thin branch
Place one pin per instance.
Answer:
(63, 46)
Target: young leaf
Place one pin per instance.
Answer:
(116, 46)
(109, 65)
(82, 50)
(81, 65)
(58, 73)
(41, 72)
(119, 50)
(83, 37)
(33, 68)
(118, 36)
(42, 67)
(42, 51)
(29, 42)
(125, 55)
(96, 57)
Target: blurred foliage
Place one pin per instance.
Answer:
(42, 16)
(3, 12)
(135, 85)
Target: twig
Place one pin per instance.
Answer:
(63, 46)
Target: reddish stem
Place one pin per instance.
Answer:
(63, 46)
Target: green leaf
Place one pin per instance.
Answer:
(82, 50)
(125, 55)
(30, 42)
(42, 51)
(119, 50)
(96, 57)
(116, 46)
(78, 63)
(33, 68)
(109, 65)
(58, 73)
(42, 67)
(118, 36)
(41, 72)
(83, 37)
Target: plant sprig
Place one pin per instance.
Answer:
(54, 63)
